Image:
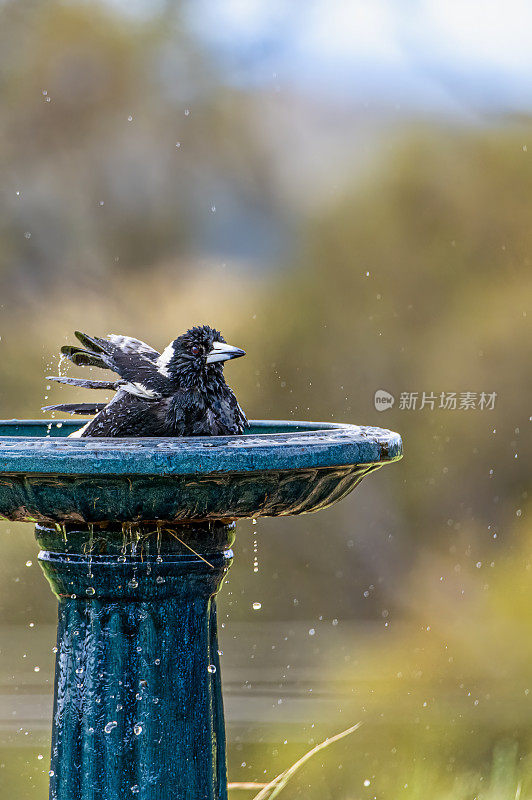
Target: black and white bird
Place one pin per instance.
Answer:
(179, 392)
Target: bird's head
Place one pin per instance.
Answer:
(197, 356)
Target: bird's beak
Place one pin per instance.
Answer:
(221, 351)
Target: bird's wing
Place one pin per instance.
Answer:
(242, 419)
(86, 384)
(127, 415)
(130, 345)
(235, 412)
(81, 357)
(130, 358)
(77, 408)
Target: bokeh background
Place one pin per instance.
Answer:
(345, 189)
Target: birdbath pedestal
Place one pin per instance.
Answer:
(135, 538)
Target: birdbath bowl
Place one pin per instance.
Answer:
(135, 538)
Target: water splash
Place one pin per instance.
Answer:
(62, 360)
(110, 726)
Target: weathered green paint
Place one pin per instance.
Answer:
(135, 544)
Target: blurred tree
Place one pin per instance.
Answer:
(117, 138)
(420, 280)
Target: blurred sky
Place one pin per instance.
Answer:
(459, 56)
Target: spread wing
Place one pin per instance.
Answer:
(133, 360)
(77, 408)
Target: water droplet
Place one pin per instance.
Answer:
(160, 579)
(29, 563)
(51, 773)
(257, 606)
(40, 757)
(110, 726)
(135, 788)
(27, 235)
(211, 668)
(36, 669)
(133, 583)
(54, 649)
(90, 590)
(122, 559)
(137, 729)
(178, 144)
(157, 661)
(187, 112)
(311, 632)
(79, 671)
(130, 118)
(367, 782)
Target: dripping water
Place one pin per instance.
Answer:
(255, 549)
(91, 547)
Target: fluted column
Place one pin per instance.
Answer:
(138, 707)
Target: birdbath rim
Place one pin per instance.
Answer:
(43, 447)
(276, 468)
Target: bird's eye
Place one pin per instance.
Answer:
(194, 350)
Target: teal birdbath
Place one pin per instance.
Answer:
(135, 538)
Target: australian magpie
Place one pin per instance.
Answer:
(179, 392)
